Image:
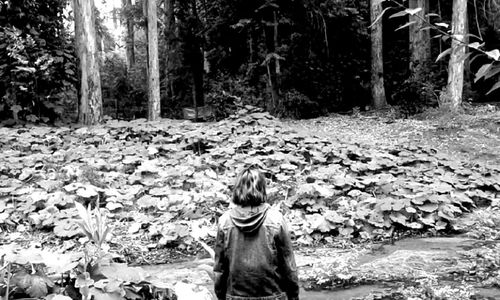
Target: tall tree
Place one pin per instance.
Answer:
(453, 98)
(197, 58)
(129, 24)
(170, 37)
(377, 69)
(191, 42)
(90, 100)
(420, 46)
(269, 16)
(153, 63)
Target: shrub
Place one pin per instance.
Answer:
(124, 92)
(226, 93)
(37, 62)
(416, 94)
(296, 105)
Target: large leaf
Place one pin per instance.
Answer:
(428, 207)
(405, 25)
(443, 54)
(38, 286)
(57, 297)
(482, 71)
(494, 54)
(98, 294)
(495, 87)
(123, 273)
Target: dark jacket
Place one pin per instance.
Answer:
(253, 256)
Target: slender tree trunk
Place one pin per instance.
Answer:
(270, 32)
(453, 98)
(169, 35)
(275, 34)
(250, 46)
(153, 63)
(130, 41)
(197, 67)
(377, 78)
(420, 45)
(90, 101)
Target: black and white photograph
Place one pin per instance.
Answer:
(250, 149)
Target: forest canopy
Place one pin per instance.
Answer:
(296, 59)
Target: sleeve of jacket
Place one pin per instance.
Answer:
(220, 266)
(287, 266)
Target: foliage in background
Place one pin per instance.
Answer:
(414, 95)
(324, 46)
(37, 63)
(124, 92)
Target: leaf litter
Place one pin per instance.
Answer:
(163, 184)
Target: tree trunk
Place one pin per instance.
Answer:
(169, 35)
(420, 46)
(275, 34)
(153, 63)
(90, 106)
(197, 66)
(130, 42)
(270, 34)
(452, 100)
(377, 78)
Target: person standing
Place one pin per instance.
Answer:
(254, 259)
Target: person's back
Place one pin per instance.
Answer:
(253, 251)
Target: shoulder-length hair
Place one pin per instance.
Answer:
(250, 187)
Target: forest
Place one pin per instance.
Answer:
(181, 56)
(123, 125)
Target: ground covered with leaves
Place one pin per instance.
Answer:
(166, 182)
(163, 184)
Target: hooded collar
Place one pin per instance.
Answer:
(249, 219)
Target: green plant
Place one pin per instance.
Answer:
(296, 105)
(489, 68)
(125, 94)
(38, 273)
(27, 272)
(93, 223)
(37, 63)
(415, 95)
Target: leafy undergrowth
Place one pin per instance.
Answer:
(164, 183)
(483, 223)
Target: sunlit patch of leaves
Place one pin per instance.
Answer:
(484, 223)
(158, 178)
(426, 288)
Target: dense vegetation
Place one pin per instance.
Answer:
(37, 61)
(296, 59)
(77, 203)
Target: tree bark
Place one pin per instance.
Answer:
(153, 63)
(377, 78)
(275, 34)
(90, 94)
(197, 66)
(169, 35)
(420, 46)
(130, 41)
(452, 100)
(271, 40)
